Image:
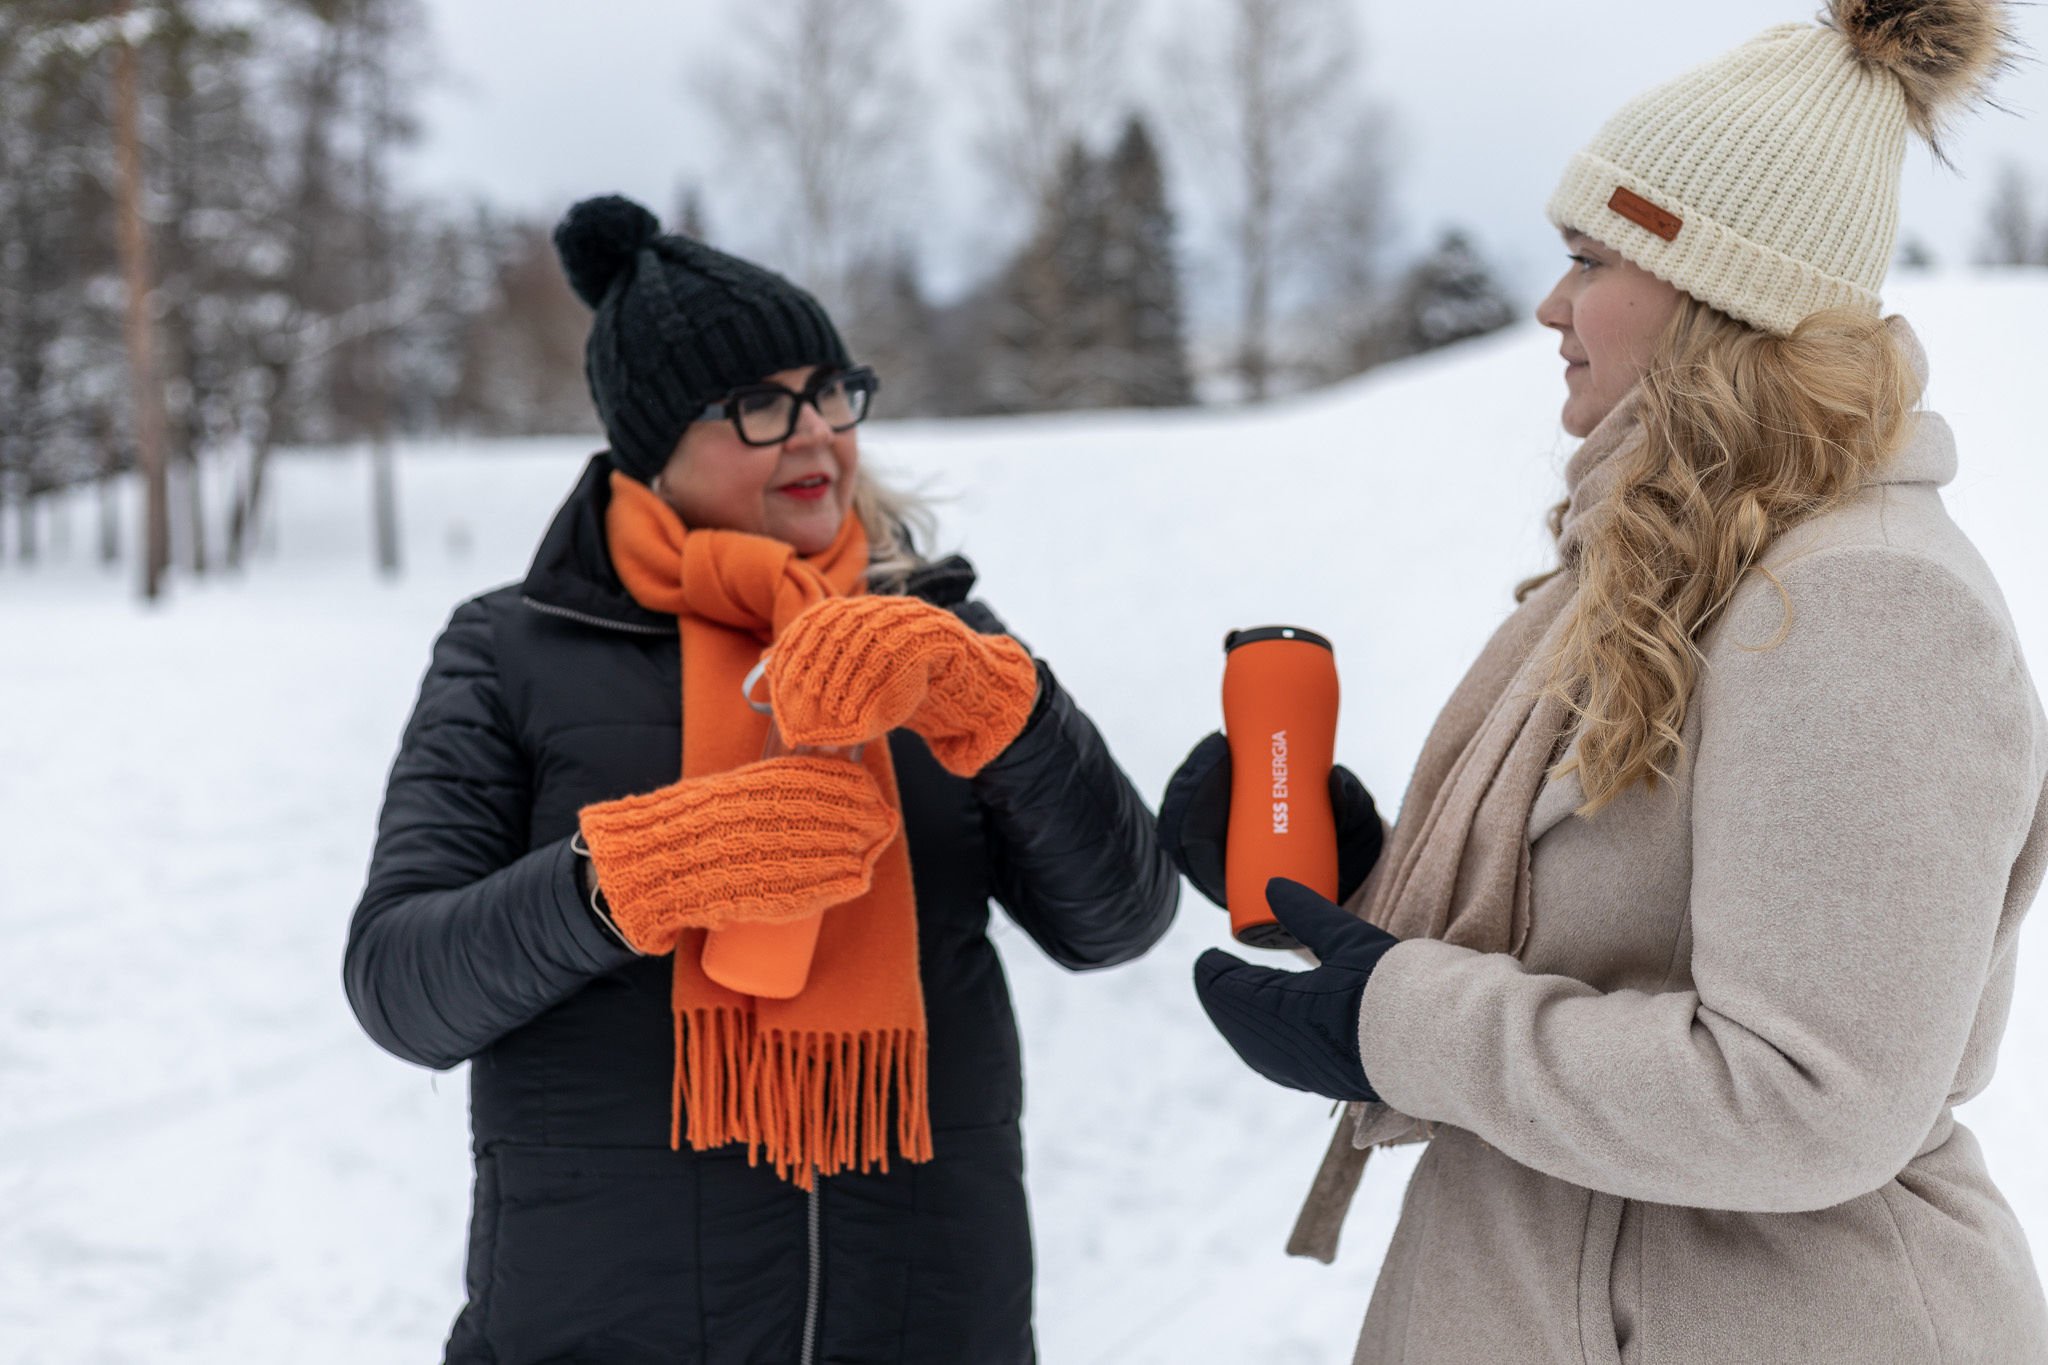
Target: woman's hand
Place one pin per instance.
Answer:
(770, 842)
(851, 669)
(1299, 1029)
(1194, 821)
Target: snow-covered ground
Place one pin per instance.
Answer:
(203, 1160)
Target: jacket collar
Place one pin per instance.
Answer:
(1928, 454)
(572, 573)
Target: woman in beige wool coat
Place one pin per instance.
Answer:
(1701, 914)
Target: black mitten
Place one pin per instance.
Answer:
(1299, 1029)
(1194, 821)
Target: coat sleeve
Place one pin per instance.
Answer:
(464, 932)
(1860, 794)
(1075, 854)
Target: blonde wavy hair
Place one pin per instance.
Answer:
(1746, 434)
(897, 520)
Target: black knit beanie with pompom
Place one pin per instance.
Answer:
(679, 325)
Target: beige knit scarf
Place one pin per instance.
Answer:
(1457, 865)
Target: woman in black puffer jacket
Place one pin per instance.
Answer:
(610, 1223)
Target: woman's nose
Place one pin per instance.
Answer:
(1555, 310)
(811, 426)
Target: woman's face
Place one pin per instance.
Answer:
(1609, 313)
(797, 492)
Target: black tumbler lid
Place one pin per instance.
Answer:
(1255, 634)
(1266, 936)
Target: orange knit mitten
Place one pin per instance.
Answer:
(773, 841)
(851, 669)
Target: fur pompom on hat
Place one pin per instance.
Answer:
(1766, 181)
(678, 325)
(1943, 53)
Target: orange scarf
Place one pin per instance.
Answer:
(808, 1081)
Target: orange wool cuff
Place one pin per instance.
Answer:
(769, 842)
(849, 670)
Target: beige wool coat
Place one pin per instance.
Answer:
(1707, 1116)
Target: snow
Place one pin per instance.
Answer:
(202, 1159)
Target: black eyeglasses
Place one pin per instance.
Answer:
(766, 414)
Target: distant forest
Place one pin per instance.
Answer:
(205, 252)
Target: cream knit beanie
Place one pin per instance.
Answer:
(1766, 182)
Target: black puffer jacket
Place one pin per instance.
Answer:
(589, 1239)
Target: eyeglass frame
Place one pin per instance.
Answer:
(727, 408)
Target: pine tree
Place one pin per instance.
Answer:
(1448, 296)
(889, 327)
(1088, 313)
(1044, 309)
(2013, 233)
(1143, 351)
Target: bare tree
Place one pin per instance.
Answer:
(1048, 74)
(521, 357)
(329, 306)
(381, 25)
(1272, 100)
(1347, 223)
(208, 143)
(818, 112)
(292, 290)
(691, 218)
(211, 198)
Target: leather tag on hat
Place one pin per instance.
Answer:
(1645, 214)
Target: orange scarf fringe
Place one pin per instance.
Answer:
(809, 1103)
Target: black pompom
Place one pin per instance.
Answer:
(597, 240)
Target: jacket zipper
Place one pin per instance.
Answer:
(587, 619)
(813, 1285)
(817, 1263)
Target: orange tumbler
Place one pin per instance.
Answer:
(1280, 717)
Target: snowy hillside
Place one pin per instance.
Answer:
(202, 1159)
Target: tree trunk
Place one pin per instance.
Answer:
(248, 511)
(310, 202)
(242, 516)
(25, 524)
(1254, 365)
(110, 521)
(195, 512)
(148, 394)
(377, 345)
(384, 504)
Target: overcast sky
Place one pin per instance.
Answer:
(539, 104)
